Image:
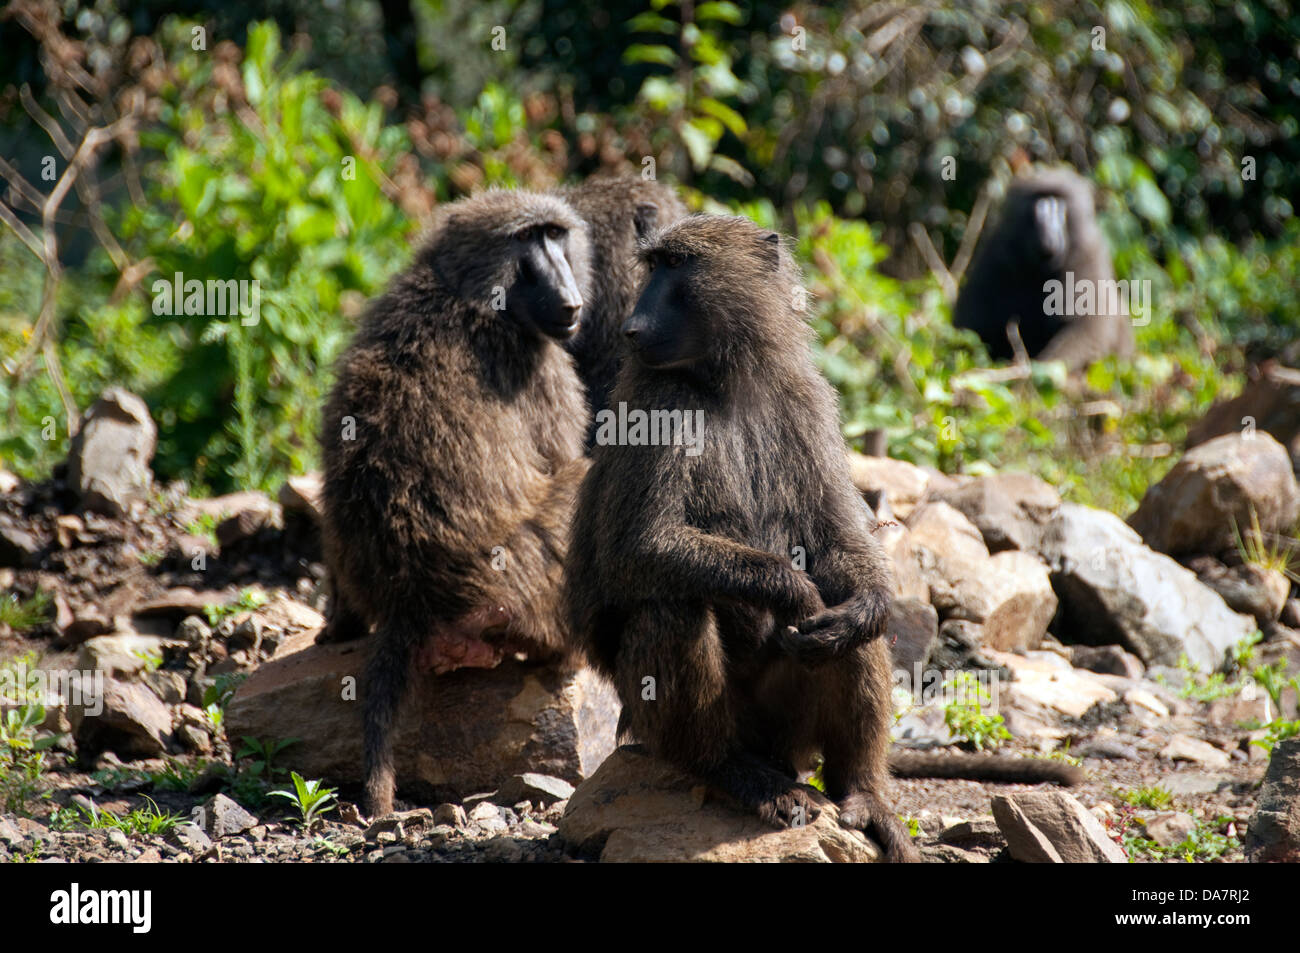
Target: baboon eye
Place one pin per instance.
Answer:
(554, 232)
(652, 262)
(675, 260)
(524, 234)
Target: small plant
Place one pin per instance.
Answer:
(204, 525)
(24, 614)
(152, 660)
(965, 716)
(1277, 732)
(22, 750)
(1154, 798)
(310, 798)
(249, 600)
(1205, 688)
(264, 753)
(1274, 556)
(217, 695)
(139, 822)
(1206, 842)
(912, 824)
(177, 776)
(326, 846)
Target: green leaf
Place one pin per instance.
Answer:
(650, 53)
(720, 10)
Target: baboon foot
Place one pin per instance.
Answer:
(775, 798)
(865, 812)
(793, 807)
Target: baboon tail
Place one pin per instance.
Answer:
(837, 631)
(387, 674)
(984, 767)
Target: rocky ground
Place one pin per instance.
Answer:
(1158, 655)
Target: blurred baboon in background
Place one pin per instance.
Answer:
(452, 445)
(1047, 232)
(731, 661)
(618, 211)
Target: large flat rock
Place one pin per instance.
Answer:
(456, 734)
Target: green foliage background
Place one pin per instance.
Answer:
(839, 139)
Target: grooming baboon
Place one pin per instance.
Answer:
(453, 451)
(618, 210)
(682, 583)
(1047, 232)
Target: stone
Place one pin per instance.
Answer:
(189, 836)
(9, 482)
(1169, 827)
(1115, 590)
(1111, 749)
(1011, 510)
(1274, 832)
(1182, 748)
(127, 719)
(982, 833)
(1137, 698)
(901, 483)
(1043, 678)
(1106, 660)
(121, 655)
(399, 822)
(1247, 589)
(1270, 403)
(176, 604)
(18, 547)
(1053, 827)
(223, 817)
(451, 814)
(910, 633)
(455, 734)
(302, 495)
(108, 462)
(637, 809)
(1225, 480)
(254, 512)
(534, 788)
(1013, 600)
(909, 582)
(167, 685)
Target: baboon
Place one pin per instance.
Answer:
(452, 445)
(1047, 232)
(682, 584)
(618, 210)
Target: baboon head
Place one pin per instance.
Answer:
(1044, 216)
(721, 294)
(518, 255)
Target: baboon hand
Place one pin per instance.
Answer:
(834, 631)
(800, 598)
(793, 807)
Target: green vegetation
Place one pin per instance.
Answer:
(309, 798)
(24, 614)
(1155, 798)
(22, 743)
(138, 822)
(263, 754)
(1271, 555)
(248, 601)
(965, 715)
(1207, 842)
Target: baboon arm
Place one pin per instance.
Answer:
(690, 561)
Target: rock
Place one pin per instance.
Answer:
(1013, 600)
(1109, 748)
(1270, 403)
(1193, 508)
(910, 632)
(960, 645)
(117, 839)
(193, 631)
(982, 833)
(902, 484)
(82, 623)
(18, 547)
(189, 836)
(9, 482)
(636, 809)
(302, 495)
(168, 686)
(1183, 748)
(1053, 827)
(121, 655)
(1169, 827)
(1106, 660)
(176, 604)
(536, 788)
(108, 463)
(450, 814)
(950, 537)
(254, 512)
(1246, 589)
(1113, 589)
(909, 582)
(1046, 679)
(1274, 832)
(398, 822)
(455, 734)
(127, 719)
(1011, 510)
(1140, 698)
(223, 817)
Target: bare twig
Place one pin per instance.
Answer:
(921, 238)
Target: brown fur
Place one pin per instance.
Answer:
(1006, 277)
(618, 211)
(468, 437)
(681, 568)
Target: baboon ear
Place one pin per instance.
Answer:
(772, 241)
(645, 218)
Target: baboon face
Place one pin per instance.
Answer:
(660, 333)
(545, 295)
